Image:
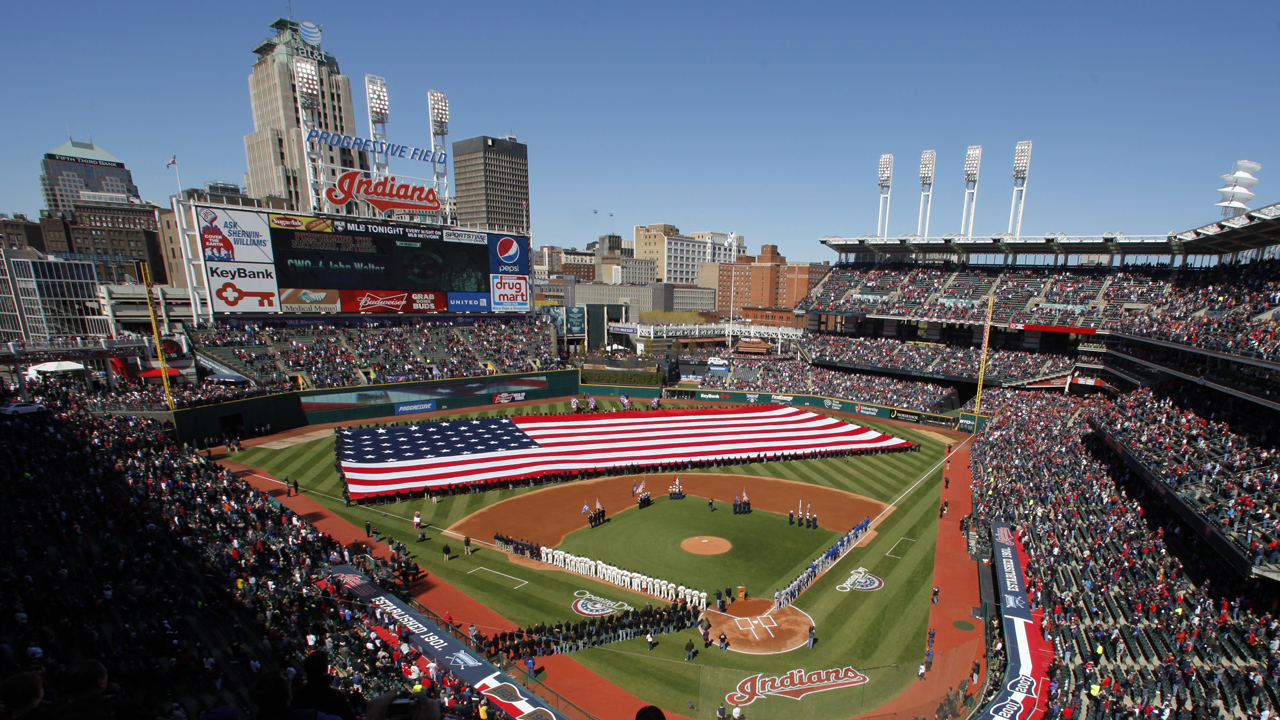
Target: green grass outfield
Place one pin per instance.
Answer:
(880, 633)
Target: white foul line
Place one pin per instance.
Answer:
(895, 547)
(495, 572)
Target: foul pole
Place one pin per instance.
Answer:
(982, 366)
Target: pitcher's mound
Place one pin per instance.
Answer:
(706, 545)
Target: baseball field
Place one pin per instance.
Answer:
(870, 611)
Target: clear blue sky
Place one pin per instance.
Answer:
(763, 118)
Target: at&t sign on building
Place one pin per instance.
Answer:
(331, 227)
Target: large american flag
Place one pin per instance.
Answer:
(413, 457)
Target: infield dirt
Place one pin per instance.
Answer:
(548, 515)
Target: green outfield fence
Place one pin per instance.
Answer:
(964, 422)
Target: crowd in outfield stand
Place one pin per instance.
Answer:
(1219, 308)
(1134, 632)
(794, 376)
(144, 581)
(380, 351)
(933, 358)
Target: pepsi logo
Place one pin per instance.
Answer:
(508, 250)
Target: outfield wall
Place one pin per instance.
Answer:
(286, 411)
(965, 422)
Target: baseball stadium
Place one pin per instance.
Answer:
(346, 443)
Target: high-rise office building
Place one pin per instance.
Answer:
(276, 150)
(78, 171)
(491, 177)
(676, 257)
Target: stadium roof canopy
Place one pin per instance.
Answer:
(1253, 230)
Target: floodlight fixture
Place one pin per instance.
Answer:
(972, 163)
(438, 107)
(927, 161)
(306, 77)
(375, 89)
(886, 189)
(1021, 160)
(886, 171)
(1021, 164)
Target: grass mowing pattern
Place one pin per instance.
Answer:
(879, 630)
(766, 555)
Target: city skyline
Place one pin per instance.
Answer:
(766, 121)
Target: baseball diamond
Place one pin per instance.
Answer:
(877, 633)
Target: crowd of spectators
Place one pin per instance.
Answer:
(1217, 308)
(377, 351)
(933, 358)
(1231, 481)
(143, 581)
(1131, 633)
(135, 395)
(797, 377)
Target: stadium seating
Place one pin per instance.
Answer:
(1226, 308)
(1101, 568)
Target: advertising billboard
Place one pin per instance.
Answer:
(281, 262)
(510, 293)
(243, 287)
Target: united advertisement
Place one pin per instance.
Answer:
(259, 262)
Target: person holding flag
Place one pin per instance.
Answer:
(746, 503)
(634, 487)
(736, 507)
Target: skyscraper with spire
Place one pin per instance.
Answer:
(276, 152)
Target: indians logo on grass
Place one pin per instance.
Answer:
(862, 580)
(589, 605)
(795, 684)
(1004, 536)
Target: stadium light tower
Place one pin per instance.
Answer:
(1236, 192)
(1021, 163)
(927, 160)
(438, 111)
(306, 78)
(972, 163)
(886, 190)
(375, 93)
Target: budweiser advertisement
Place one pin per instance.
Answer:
(383, 301)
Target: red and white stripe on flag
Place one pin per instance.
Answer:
(568, 443)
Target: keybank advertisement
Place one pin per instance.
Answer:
(1017, 697)
(243, 287)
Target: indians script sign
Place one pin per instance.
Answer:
(795, 684)
(383, 193)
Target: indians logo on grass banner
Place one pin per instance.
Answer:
(589, 605)
(795, 684)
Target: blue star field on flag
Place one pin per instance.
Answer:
(434, 440)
